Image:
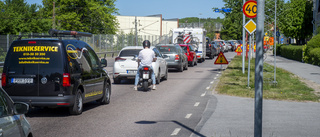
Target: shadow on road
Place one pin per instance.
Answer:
(59, 111)
(172, 121)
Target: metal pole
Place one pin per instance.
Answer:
(136, 30)
(249, 61)
(8, 42)
(259, 70)
(243, 41)
(275, 37)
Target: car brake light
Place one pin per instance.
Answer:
(119, 59)
(32, 42)
(63, 104)
(198, 56)
(177, 57)
(4, 79)
(145, 68)
(66, 80)
(210, 45)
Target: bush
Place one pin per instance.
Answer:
(278, 48)
(312, 44)
(292, 52)
(315, 56)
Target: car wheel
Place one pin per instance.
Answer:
(77, 107)
(166, 75)
(106, 95)
(158, 77)
(180, 69)
(192, 63)
(186, 66)
(116, 81)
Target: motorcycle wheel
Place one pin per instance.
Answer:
(145, 86)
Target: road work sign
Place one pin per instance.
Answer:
(221, 59)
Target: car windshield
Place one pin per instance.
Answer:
(167, 49)
(129, 52)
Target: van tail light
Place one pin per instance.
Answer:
(145, 68)
(177, 57)
(210, 45)
(32, 42)
(119, 59)
(3, 79)
(66, 80)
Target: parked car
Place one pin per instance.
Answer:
(191, 54)
(13, 123)
(215, 47)
(176, 57)
(224, 47)
(209, 49)
(55, 72)
(234, 44)
(126, 65)
(228, 45)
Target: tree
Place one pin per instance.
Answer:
(297, 19)
(92, 16)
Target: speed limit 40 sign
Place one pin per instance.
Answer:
(250, 9)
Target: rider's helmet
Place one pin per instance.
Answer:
(146, 43)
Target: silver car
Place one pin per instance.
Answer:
(174, 55)
(13, 123)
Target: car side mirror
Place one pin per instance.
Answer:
(20, 108)
(103, 62)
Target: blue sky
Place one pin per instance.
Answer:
(168, 8)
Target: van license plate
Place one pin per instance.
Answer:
(22, 80)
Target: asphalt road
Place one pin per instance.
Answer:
(176, 108)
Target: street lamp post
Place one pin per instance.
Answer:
(199, 19)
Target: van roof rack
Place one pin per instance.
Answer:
(61, 33)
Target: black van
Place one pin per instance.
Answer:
(52, 72)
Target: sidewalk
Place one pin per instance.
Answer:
(234, 116)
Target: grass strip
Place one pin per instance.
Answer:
(288, 87)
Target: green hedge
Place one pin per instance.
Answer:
(315, 56)
(291, 52)
(311, 45)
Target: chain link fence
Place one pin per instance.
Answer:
(101, 43)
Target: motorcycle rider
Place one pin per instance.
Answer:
(145, 58)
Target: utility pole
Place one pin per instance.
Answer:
(136, 29)
(259, 70)
(275, 39)
(53, 17)
(243, 41)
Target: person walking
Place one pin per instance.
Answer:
(145, 58)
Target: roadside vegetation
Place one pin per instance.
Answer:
(288, 87)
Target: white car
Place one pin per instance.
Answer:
(126, 66)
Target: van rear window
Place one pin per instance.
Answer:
(48, 55)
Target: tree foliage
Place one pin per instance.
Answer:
(18, 16)
(94, 16)
(297, 17)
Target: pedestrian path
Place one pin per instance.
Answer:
(234, 116)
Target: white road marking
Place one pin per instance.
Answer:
(196, 104)
(208, 88)
(175, 131)
(215, 78)
(217, 75)
(203, 94)
(188, 116)
(219, 72)
(211, 82)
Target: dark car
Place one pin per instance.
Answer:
(175, 56)
(13, 122)
(191, 54)
(54, 72)
(209, 49)
(215, 47)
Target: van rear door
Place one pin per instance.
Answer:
(34, 68)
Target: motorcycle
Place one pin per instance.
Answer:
(145, 79)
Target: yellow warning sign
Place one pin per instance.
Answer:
(239, 50)
(221, 59)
